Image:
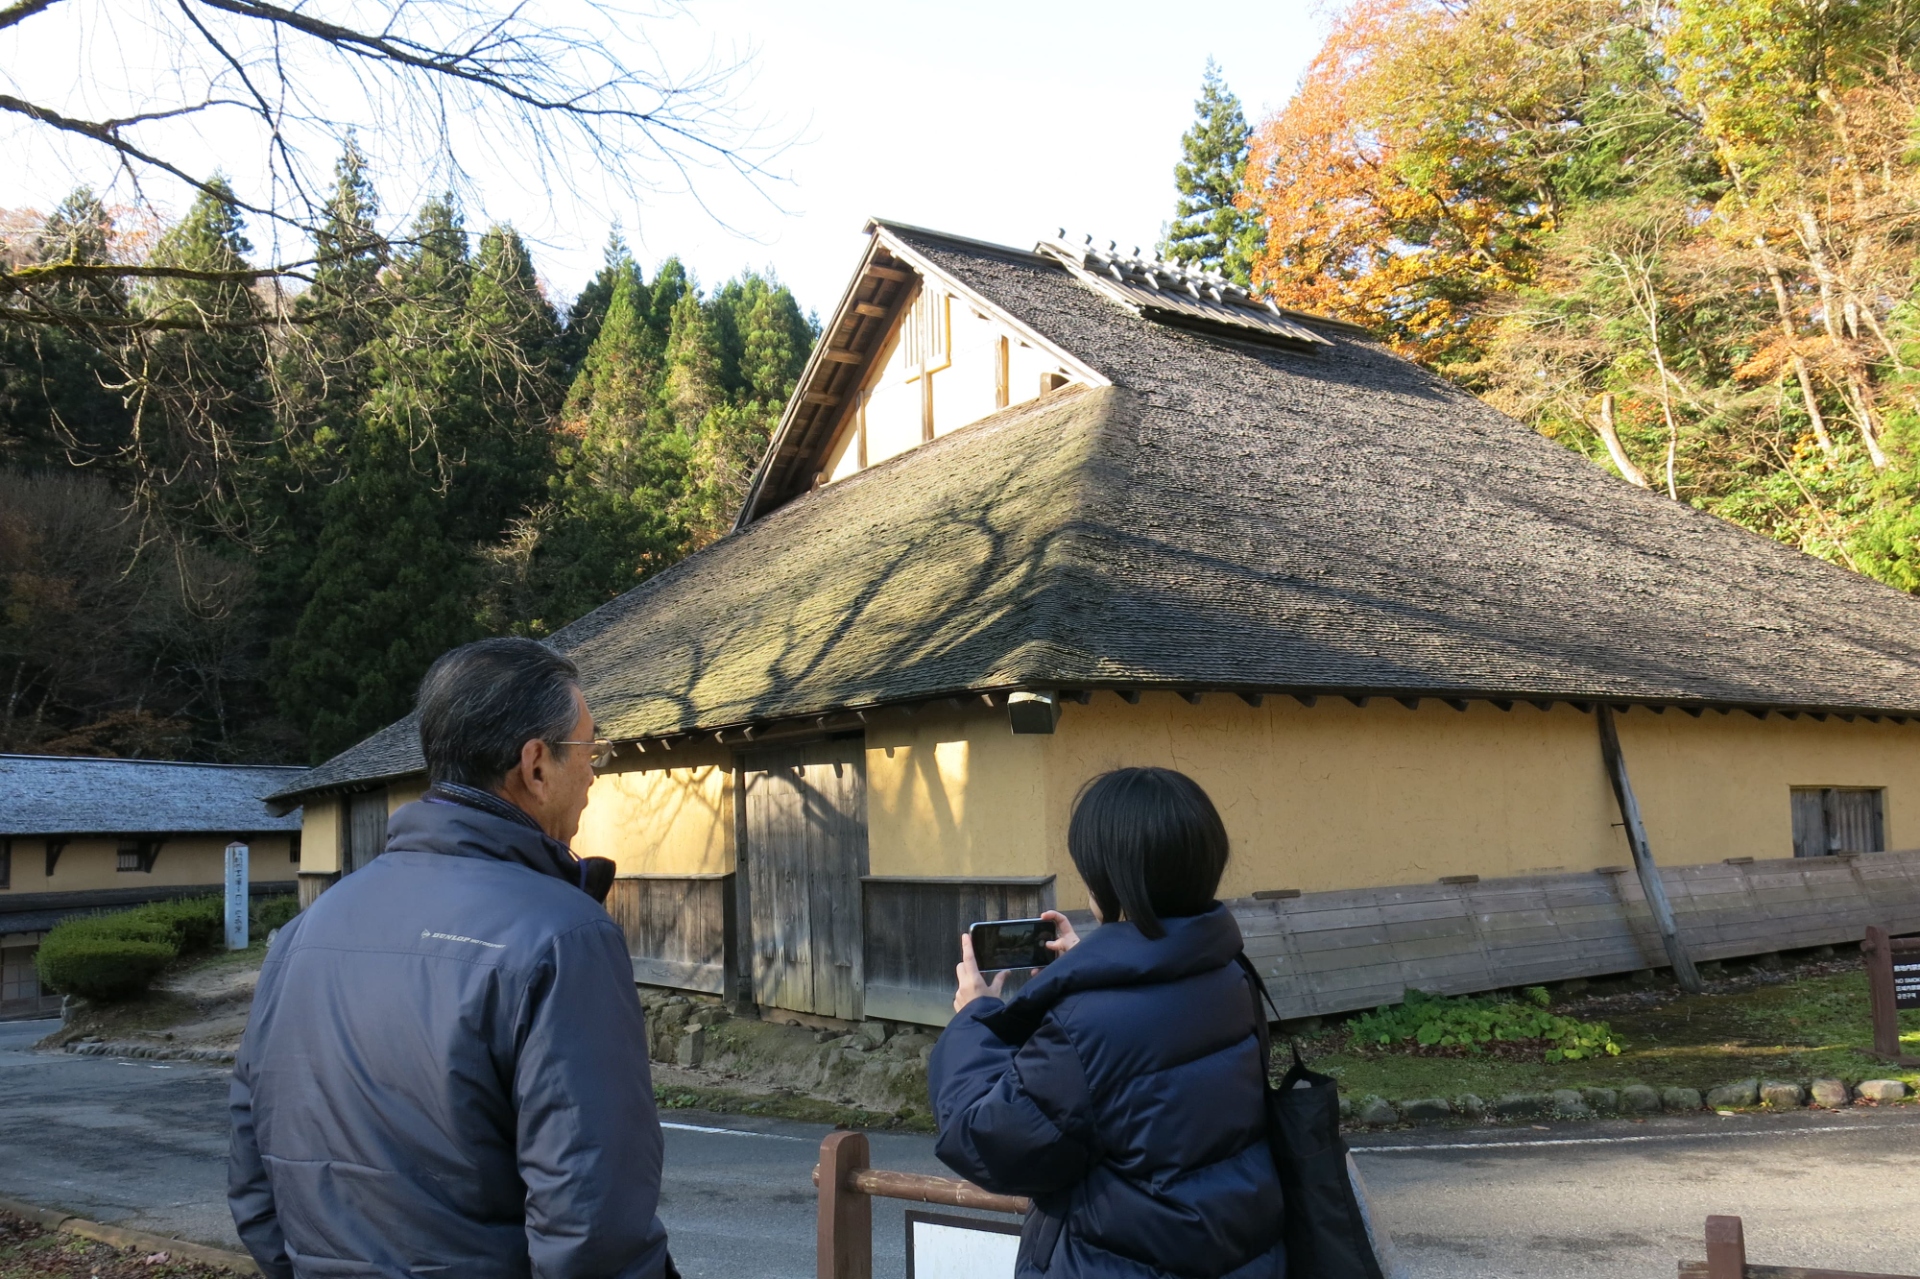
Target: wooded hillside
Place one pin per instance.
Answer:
(1679, 237)
(238, 524)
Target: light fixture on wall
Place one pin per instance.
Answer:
(1033, 712)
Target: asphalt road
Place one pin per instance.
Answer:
(143, 1144)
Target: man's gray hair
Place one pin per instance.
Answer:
(480, 703)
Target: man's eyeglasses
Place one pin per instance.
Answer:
(602, 750)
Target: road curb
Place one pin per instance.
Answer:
(121, 1237)
(151, 1052)
(38, 1216)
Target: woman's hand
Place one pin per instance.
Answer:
(972, 984)
(1065, 939)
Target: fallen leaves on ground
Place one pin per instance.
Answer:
(28, 1251)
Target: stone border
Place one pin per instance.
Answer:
(121, 1237)
(150, 1052)
(1374, 1111)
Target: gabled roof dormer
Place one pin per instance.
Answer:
(910, 354)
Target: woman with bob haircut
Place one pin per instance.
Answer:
(1121, 1089)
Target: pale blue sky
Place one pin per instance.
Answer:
(996, 119)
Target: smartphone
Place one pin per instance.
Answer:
(1012, 943)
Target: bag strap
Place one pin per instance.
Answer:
(1253, 975)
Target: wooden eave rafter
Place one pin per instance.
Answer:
(855, 718)
(889, 276)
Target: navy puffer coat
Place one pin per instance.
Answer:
(1121, 1089)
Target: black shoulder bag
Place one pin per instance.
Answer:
(1325, 1228)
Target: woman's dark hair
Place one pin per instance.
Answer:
(1149, 843)
(481, 702)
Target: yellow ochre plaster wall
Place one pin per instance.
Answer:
(955, 793)
(1338, 796)
(320, 836)
(1719, 786)
(662, 814)
(89, 864)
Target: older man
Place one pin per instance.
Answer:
(445, 1072)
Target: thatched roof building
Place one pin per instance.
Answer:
(1055, 475)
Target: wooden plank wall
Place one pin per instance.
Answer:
(913, 929)
(678, 928)
(1359, 948)
(806, 850)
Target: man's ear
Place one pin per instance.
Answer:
(532, 758)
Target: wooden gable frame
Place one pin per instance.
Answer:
(890, 276)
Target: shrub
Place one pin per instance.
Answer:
(197, 923)
(273, 912)
(117, 955)
(96, 967)
(1469, 1025)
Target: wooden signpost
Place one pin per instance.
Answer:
(1893, 984)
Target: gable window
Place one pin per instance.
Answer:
(1838, 819)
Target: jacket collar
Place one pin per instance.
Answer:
(450, 824)
(1121, 955)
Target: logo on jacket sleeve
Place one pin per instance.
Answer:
(427, 934)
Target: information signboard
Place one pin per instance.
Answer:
(236, 896)
(942, 1246)
(1906, 978)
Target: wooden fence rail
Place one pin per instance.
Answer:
(848, 1187)
(1727, 1259)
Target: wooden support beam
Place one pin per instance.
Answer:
(1252, 699)
(1191, 697)
(1079, 695)
(1305, 699)
(1502, 703)
(1694, 711)
(845, 1234)
(890, 273)
(1458, 703)
(869, 310)
(821, 398)
(1131, 696)
(1411, 703)
(843, 357)
(1656, 892)
(1358, 700)
(1541, 705)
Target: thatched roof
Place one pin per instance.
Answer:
(85, 795)
(1224, 515)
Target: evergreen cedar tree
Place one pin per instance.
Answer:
(1213, 226)
(1688, 226)
(429, 455)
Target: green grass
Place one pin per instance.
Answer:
(787, 1105)
(1814, 1026)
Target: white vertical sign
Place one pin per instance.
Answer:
(236, 896)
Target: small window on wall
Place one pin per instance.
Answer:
(1838, 819)
(6, 863)
(138, 855)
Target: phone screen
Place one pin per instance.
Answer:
(1012, 943)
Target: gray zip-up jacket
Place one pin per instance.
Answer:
(445, 1072)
